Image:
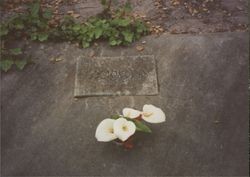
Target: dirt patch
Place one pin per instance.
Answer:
(174, 16)
(199, 16)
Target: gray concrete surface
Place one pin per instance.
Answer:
(202, 89)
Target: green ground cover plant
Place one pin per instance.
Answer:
(116, 26)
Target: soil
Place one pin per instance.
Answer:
(174, 16)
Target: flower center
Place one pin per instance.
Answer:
(110, 130)
(124, 128)
(147, 114)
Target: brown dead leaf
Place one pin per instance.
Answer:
(59, 58)
(56, 59)
(139, 48)
(76, 15)
(70, 12)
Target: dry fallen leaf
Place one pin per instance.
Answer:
(76, 15)
(70, 12)
(56, 59)
(139, 48)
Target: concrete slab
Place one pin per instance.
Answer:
(202, 89)
(124, 75)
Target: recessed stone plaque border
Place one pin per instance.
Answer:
(114, 76)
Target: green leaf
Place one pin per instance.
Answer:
(112, 42)
(20, 63)
(142, 127)
(115, 116)
(76, 27)
(3, 30)
(128, 36)
(83, 30)
(19, 26)
(34, 9)
(91, 33)
(33, 36)
(47, 14)
(103, 2)
(128, 7)
(18, 23)
(85, 44)
(140, 27)
(124, 22)
(98, 33)
(34, 29)
(16, 51)
(41, 24)
(120, 22)
(6, 64)
(43, 37)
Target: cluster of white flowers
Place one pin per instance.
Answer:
(124, 127)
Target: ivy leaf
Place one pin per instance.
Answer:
(43, 37)
(5, 65)
(21, 63)
(47, 14)
(128, 36)
(16, 51)
(142, 127)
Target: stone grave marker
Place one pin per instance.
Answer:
(123, 75)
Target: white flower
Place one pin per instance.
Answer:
(123, 129)
(153, 114)
(104, 131)
(131, 113)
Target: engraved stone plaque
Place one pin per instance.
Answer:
(124, 75)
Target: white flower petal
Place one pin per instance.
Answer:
(123, 129)
(104, 131)
(152, 114)
(131, 113)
